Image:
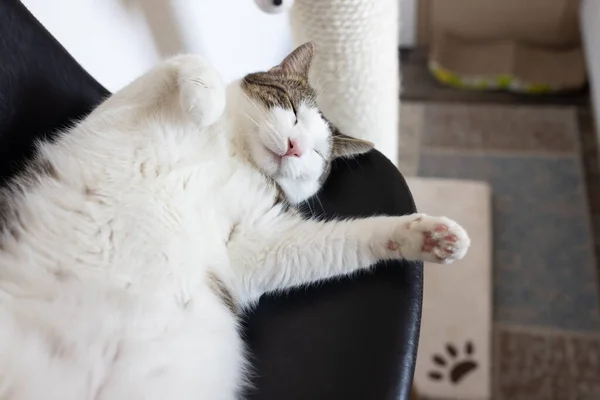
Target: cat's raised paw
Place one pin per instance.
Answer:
(202, 90)
(434, 239)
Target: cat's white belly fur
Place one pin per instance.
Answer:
(105, 312)
(95, 334)
(102, 343)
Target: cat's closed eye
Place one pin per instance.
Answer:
(295, 113)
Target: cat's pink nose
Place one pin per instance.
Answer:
(293, 149)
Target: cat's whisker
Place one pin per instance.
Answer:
(254, 105)
(359, 164)
(266, 121)
(320, 204)
(348, 164)
(251, 119)
(322, 157)
(312, 212)
(269, 124)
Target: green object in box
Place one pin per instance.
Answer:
(490, 82)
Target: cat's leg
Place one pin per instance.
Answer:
(201, 89)
(184, 83)
(290, 251)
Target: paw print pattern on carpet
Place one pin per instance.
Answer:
(453, 366)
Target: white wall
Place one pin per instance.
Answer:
(117, 40)
(590, 26)
(407, 18)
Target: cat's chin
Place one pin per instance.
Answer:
(297, 190)
(298, 176)
(287, 172)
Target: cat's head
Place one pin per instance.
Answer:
(285, 134)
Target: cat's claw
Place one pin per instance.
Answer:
(434, 239)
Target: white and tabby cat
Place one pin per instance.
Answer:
(132, 239)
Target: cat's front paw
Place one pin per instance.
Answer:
(434, 239)
(202, 90)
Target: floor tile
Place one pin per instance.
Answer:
(585, 354)
(411, 127)
(538, 364)
(531, 366)
(500, 128)
(544, 270)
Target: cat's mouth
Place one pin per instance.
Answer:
(281, 158)
(275, 155)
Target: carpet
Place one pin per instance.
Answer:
(546, 319)
(454, 358)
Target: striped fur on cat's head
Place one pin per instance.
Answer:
(290, 140)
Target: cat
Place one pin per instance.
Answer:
(133, 240)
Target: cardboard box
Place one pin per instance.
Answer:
(532, 43)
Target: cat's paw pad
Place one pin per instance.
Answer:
(434, 239)
(202, 90)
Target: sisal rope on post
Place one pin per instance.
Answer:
(356, 68)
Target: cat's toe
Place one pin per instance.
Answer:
(436, 239)
(444, 242)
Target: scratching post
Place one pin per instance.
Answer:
(356, 70)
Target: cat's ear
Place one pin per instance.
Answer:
(346, 146)
(298, 61)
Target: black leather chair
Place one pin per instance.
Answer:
(354, 338)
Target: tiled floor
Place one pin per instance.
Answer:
(546, 365)
(540, 156)
(523, 129)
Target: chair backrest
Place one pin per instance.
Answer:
(42, 88)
